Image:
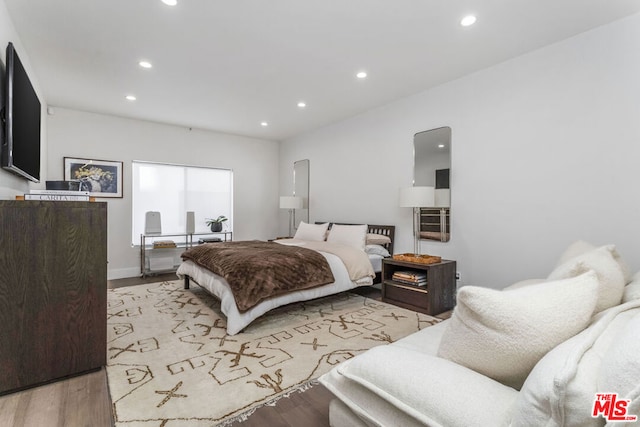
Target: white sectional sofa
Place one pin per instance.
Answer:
(535, 354)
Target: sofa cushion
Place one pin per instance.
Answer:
(340, 415)
(364, 403)
(560, 391)
(387, 383)
(426, 340)
(504, 334)
(610, 274)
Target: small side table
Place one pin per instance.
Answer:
(437, 296)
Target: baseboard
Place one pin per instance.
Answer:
(123, 273)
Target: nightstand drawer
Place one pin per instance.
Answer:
(411, 297)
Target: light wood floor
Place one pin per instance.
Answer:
(84, 400)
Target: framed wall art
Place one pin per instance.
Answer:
(102, 178)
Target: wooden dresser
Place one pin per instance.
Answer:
(53, 291)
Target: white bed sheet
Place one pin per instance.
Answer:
(237, 321)
(376, 262)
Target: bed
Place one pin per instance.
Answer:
(345, 276)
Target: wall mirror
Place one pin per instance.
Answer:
(301, 189)
(432, 167)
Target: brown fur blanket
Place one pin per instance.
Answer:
(258, 270)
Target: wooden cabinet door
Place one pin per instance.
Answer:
(53, 265)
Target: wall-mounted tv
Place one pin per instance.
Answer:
(21, 119)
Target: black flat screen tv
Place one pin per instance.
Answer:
(21, 119)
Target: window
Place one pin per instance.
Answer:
(173, 190)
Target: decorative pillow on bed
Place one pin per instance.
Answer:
(311, 232)
(350, 235)
(377, 239)
(504, 334)
(376, 250)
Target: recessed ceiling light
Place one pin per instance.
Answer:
(361, 75)
(302, 104)
(170, 2)
(468, 20)
(130, 97)
(440, 145)
(145, 64)
(264, 124)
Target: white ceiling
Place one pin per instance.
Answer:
(229, 65)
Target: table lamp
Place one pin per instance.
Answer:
(291, 203)
(443, 202)
(416, 198)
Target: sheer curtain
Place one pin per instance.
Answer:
(173, 190)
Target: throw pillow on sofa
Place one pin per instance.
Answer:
(610, 274)
(575, 249)
(561, 389)
(632, 289)
(523, 283)
(503, 334)
(620, 368)
(581, 247)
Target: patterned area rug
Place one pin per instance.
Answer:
(170, 362)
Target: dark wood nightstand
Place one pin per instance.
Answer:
(436, 296)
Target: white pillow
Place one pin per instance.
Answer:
(503, 334)
(610, 274)
(561, 388)
(632, 289)
(290, 242)
(523, 283)
(620, 369)
(581, 247)
(575, 249)
(376, 250)
(377, 239)
(350, 235)
(312, 232)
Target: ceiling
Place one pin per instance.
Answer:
(230, 65)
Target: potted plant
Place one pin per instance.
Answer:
(216, 224)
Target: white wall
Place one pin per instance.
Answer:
(12, 185)
(254, 163)
(545, 151)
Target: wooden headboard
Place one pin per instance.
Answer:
(385, 230)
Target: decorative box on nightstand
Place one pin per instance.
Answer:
(432, 297)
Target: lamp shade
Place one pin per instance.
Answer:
(442, 198)
(290, 202)
(416, 197)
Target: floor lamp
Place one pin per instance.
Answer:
(292, 203)
(416, 198)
